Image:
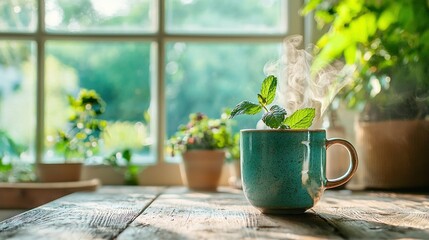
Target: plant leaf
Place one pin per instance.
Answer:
(268, 89)
(245, 107)
(274, 117)
(301, 119)
(262, 100)
(126, 154)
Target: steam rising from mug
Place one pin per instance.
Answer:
(299, 87)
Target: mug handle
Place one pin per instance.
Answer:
(353, 164)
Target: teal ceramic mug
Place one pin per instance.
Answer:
(284, 171)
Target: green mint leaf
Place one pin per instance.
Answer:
(301, 119)
(245, 107)
(268, 89)
(262, 100)
(274, 117)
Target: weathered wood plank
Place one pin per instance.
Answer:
(376, 215)
(98, 215)
(181, 214)
(176, 213)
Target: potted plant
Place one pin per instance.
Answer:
(79, 141)
(388, 43)
(202, 143)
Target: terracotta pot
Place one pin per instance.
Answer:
(59, 172)
(395, 154)
(201, 169)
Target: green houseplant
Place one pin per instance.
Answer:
(388, 43)
(81, 138)
(10, 171)
(202, 143)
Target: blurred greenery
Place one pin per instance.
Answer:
(8, 147)
(17, 91)
(388, 41)
(202, 133)
(100, 15)
(121, 160)
(125, 134)
(198, 83)
(118, 71)
(20, 17)
(81, 138)
(11, 170)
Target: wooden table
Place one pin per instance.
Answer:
(176, 213)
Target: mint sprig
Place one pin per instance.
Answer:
(301, 119)
(274, 116)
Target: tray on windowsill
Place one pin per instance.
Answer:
(30, 195)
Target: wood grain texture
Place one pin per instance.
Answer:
(182, 214)
(176, 213)
(376, 215)
(99, 215)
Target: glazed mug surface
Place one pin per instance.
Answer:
(284, 171)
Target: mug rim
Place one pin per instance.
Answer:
(283, 130)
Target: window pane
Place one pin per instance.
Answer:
(119, 73)
(18, 95)
(18, 15)
(226, 16)
(197, 83)
(126, 16)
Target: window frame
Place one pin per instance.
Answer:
(151, 175)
